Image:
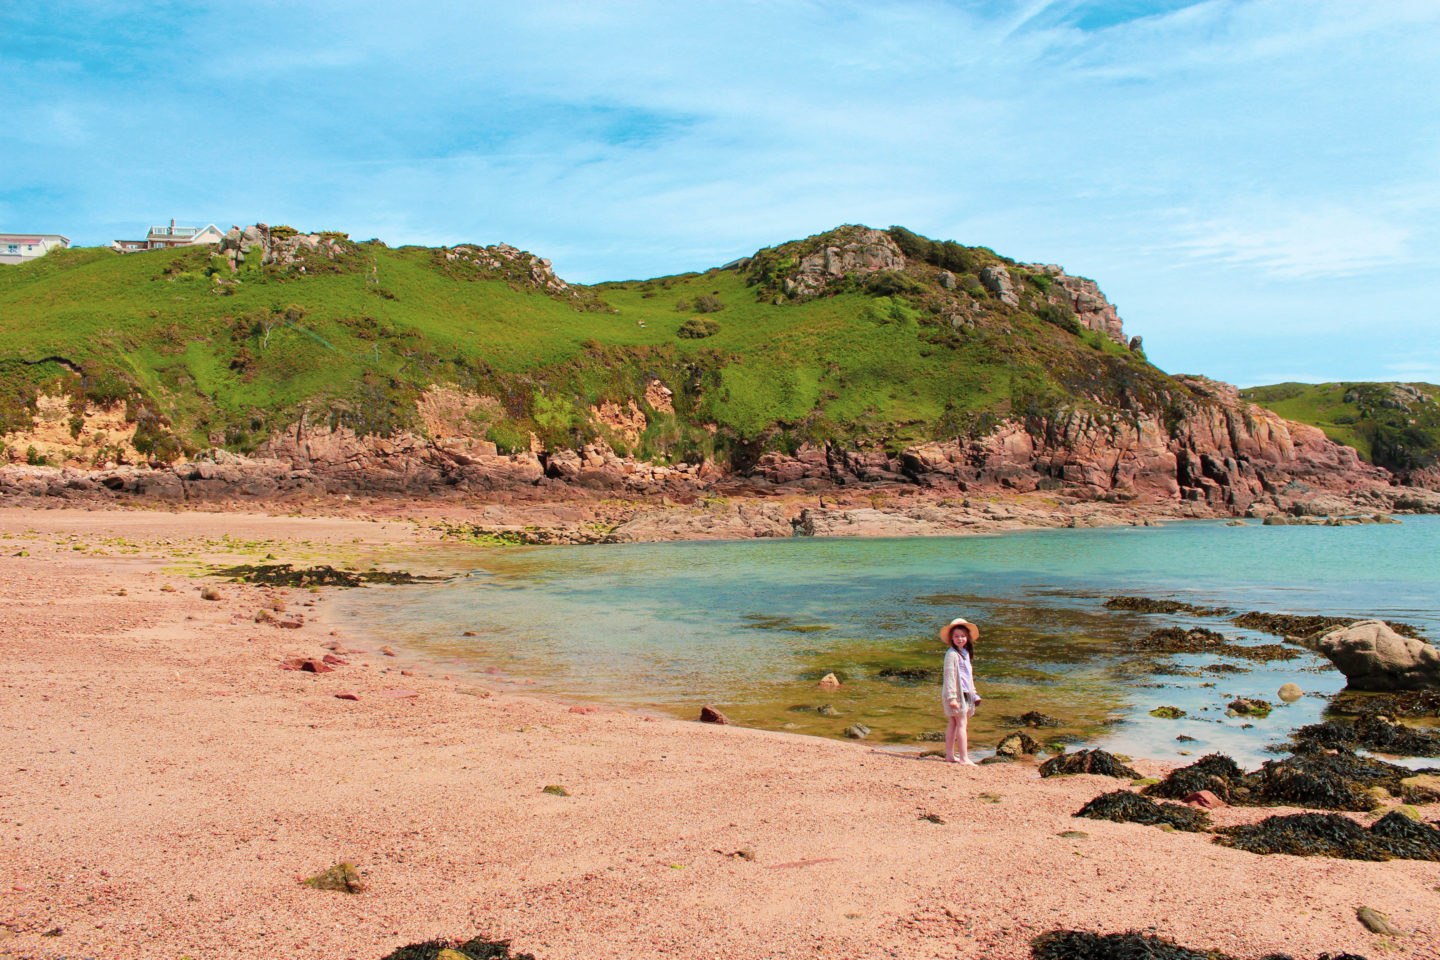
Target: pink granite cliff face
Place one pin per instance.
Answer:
(1216, 450)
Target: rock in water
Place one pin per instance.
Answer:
(1374, 657)
(1290, 692)
(857, 731)
(709, 714)
(829, 681)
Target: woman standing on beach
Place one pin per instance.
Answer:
(957, 689)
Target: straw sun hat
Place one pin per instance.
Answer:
(957, 622)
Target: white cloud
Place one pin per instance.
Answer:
(1326, 240)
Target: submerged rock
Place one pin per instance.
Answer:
(1249, 707)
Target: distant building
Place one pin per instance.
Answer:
(162, 238)
(18, 248)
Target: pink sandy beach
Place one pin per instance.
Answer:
(166, 785)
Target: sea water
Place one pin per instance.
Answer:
(750, 626)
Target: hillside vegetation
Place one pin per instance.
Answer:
(205, 353)
(1393, 425)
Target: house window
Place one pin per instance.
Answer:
(13, 249)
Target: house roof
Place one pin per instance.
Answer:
(31, 237)
(181, 233)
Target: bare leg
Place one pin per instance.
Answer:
(962, 724)
(951, 725)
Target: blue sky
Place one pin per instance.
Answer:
(1255, 183)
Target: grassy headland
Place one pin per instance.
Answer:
(1393, 425)
(356, 332)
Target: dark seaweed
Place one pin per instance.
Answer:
(1214, 772)
(1033, 718)
(1372, 732)
(286, 575)
(1088, 761)
(1333, 835)
(476, 949)
(1122, 806)
(1310, 777)
(1307, 627)
(1179, 640)
(1148, 605)
(1401, 703)
(908, 675)
(1082, 945)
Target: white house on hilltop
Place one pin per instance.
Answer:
(21, 247)
(162, 238)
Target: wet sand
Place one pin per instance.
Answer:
(166, 786)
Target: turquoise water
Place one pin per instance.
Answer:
(750, 625)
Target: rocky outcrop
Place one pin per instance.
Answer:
(1083, 296)
(1374, 657)
(848, 250)
(1230, 455)
(997, 280)
(276, 246)
(511, 263)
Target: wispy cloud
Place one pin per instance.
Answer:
(1290, 244)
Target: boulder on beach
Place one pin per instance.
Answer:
(1374, 657)
(1017, 744)
(709, 714)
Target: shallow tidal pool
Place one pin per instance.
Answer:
(751, 626)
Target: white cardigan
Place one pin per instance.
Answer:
(958, 681)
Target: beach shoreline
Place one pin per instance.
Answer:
(171, 785)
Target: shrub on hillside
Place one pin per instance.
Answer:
(1060, 317)
(697, 328)
(708, 303)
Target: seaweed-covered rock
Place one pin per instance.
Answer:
(1179, 640)
(1398, 703)
(1373, 656)
(476, 949)
(1083, 945)
(1214, 772)
(1017, 744)
(323, 575)
(1334, 835)
(1287, 783)
(1032, 718)
(1418, 840)
(1249, 707)
(1088, 761)
(1371, 732)
(907, 675)
(1149, 605)
(1122, 806)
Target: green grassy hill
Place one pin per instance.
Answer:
(1393, 425)
(201, 355)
